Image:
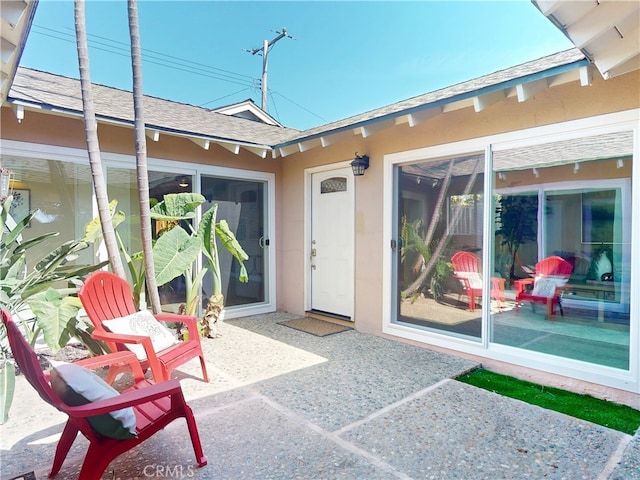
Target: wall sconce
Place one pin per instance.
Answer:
(5, 177)
(620, 163)
(576, 167)
(502, 176)
(536, 173)
(359, 165)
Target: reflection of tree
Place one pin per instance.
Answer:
(517, 222)
(432, 260)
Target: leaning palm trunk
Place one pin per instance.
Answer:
(93, 146)
(414, 287)
(141, 158)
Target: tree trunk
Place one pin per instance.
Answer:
(141, 158)
(93, 146)
(413, 288)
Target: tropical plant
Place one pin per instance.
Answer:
(176, 250)
(35, 295)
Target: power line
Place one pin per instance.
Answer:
(151, 56)
(188, 66)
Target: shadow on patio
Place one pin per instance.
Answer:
(285, 404)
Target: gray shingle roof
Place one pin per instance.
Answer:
(55, 91)
(49, 90)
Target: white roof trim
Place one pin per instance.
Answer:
(247, 106)
(607, 32)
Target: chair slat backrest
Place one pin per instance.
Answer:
(465, 262)
(28, 362)
(106, 296)
(554, 266)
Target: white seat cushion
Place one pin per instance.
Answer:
(142, 323)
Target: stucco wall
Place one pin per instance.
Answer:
(558, 104)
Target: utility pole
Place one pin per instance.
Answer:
(265, 53)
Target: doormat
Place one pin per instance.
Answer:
(25, 476)
(316, 327)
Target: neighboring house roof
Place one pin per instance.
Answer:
(608, 33)
(61, 95)
(16, 17)
(249, 110)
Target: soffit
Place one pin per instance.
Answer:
(606, 31)
(16, 17)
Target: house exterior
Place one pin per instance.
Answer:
(527, 163)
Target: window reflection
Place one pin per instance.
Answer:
(570, 200)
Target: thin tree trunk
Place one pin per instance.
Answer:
(413, 288)
(93, 146)
(141, 158)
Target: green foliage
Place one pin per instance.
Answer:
(517, 223)
(174, 253)
(39, 298)
(605, 413)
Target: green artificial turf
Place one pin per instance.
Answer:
(605, 413)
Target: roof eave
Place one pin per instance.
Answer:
(552, 72)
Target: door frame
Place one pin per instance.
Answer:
(308, 212)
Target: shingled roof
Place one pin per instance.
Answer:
(49, 91)
(36, 89)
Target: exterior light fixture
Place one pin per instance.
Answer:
(183, 182)
(536, 173)
(5, 177)
(359, 165)
(620, 163)
(576, 167)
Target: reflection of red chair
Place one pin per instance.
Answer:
(154, 407)
(551, 275)
(467, 269)
(106, 296)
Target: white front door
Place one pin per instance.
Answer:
(332, 231)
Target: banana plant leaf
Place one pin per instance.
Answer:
(177, 206)
(7, 388)
(173, 254)
(54, 315)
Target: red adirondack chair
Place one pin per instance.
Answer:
(154, 406)
(550, 277)
(467, 268)
(106, 296)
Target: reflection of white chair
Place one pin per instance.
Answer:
(552, 274)
(466, 268)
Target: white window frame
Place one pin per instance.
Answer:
(116, 160)
(598, 125)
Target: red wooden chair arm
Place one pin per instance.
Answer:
(111, 359)
(521, 285)
(128, 399)
(190, 322)
(123, 338)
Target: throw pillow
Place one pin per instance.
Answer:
(142, 323)
(76, 386)
(544, 287)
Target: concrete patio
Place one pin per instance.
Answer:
(284, 404)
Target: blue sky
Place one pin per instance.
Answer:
(346, 57)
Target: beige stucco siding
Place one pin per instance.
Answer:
(557, 104)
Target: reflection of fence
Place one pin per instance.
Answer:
(469, 220)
